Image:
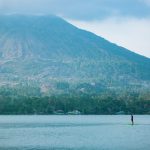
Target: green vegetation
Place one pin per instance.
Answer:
(86, 104)
(87, 98)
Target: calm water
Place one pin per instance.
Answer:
(74, 133)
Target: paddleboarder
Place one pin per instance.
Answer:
(132, 119)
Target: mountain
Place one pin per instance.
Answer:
(51, 54)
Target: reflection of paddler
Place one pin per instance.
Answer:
(132, 119)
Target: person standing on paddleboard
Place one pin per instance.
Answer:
(132, 119)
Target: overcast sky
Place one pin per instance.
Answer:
(125, 22)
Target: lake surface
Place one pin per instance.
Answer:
(74, 133)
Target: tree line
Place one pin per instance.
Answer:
(85, 103)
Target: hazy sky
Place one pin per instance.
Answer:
(125, 22)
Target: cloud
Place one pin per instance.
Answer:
(125, 22)
(146, 1)
(79, 9)
(134, 34)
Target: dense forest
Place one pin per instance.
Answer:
(109, 103)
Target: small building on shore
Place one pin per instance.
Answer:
(74, 112)
(120, 113)
(59, 112)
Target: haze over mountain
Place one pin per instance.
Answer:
(49, 53)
